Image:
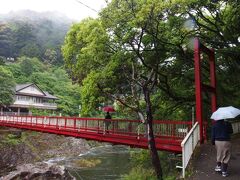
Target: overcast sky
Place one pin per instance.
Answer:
(72, 8)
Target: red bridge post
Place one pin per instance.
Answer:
(199, 86)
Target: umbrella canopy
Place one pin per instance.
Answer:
(108, 109)
(225, 113)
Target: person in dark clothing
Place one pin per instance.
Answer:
(221, 136)
(107, 121)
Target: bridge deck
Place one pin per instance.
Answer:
(168, 134)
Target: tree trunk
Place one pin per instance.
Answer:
(151, 141)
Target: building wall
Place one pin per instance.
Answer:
(28, 99)
(36, 102)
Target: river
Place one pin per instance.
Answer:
(111, 163)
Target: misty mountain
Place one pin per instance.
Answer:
(33, 34)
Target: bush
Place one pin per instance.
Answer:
(140, 173)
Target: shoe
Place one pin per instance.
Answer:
(225, 174)
(218, 168)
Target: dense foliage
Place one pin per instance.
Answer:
(142, 168)
(6, 86)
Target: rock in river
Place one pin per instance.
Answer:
(39, 171)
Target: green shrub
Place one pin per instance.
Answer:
(140, 173)
(11, 139)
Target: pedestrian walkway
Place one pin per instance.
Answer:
(205, 163)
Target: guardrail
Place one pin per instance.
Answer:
(188, 145)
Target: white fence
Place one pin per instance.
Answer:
(188, 145)
(236, 127)
(191, 140)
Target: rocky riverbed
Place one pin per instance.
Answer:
(20, 148)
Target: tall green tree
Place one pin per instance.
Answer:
(6, 43)
(7, 87)
(30, 65)
(137, 61)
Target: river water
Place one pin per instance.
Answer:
(113, 162)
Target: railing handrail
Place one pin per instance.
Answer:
(117, 119)
(189, 134)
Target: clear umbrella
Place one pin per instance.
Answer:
(225, 113)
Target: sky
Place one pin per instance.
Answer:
(72, 8)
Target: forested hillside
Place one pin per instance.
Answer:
(32, 34)
(30, 52)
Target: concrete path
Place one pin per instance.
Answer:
(205, 163)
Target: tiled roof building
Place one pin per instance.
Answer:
(29, 96)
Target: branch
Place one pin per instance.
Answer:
(117, 99)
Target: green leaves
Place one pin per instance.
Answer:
(6, 86)
(132, 40)
(85, 48)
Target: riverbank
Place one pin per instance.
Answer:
(32, 147)
(86, 160)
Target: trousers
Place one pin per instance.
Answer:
(223, 151)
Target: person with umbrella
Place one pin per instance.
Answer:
(107, 121)
(221, 136)
(108, 117)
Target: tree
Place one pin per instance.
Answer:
(141, 50)
(30, 65)
(50, 56)
(6, 44)
(133, 65)
(7, 87)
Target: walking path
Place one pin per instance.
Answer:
(205, 163)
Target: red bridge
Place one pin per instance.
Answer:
(168, 134)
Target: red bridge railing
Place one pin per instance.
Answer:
(119, 131)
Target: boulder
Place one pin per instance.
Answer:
(39, 171)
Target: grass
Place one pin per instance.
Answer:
(87, 162)
(11, 139)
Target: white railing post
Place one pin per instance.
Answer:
(138, 132)
(104, 128)
(188, 145)
(236, 127)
